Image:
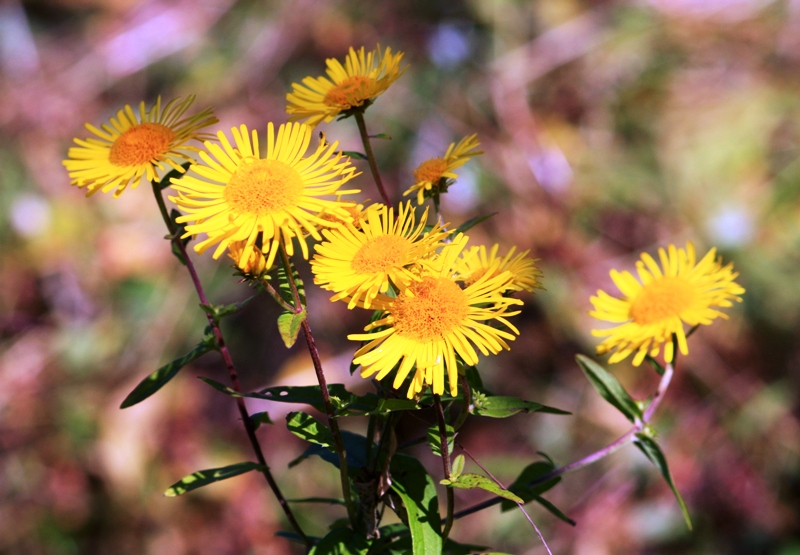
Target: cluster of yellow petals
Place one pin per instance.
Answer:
(430, 173)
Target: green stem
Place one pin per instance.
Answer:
(373, 166)
(323, 386)
(445, 465)
(234, 377)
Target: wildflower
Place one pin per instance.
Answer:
(364, 76)
(356, 213)
(244, 197)
(681, 291)
(476, 262)
(359, 264)
(134, 146)
(254, 265)
(434, 176)
(433, 320)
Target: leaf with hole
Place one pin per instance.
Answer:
(204, 477)
(609, 388)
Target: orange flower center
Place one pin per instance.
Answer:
(380, 254)
(430, 170)
(262, 187)
(438, 306)
(663, 298)
(353, 91)
(141, 144)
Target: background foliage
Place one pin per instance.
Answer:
(610, 127)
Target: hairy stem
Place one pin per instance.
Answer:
(323, 386)
(437, 402)
(373, 165)
(233, 375)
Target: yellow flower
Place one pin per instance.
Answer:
(476, 262)
(254, 265)
(435, 175)
(364, 76)
(359, 264)
(244, 196)
(682, 291)
(132, 147)
(433, 320)
(356, 213)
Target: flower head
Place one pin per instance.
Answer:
(436, 175)
(681, 291)
(475, 262)
(134, 146)
(432, 321)
(356, 213)
(359, 264)
(364, 76)
(244, 197)
(254, 265)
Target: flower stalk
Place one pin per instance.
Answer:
(446, 467)
(373, 165)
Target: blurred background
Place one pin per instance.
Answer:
(610, 128)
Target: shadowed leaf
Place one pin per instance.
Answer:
(609, 388)
(204, 477)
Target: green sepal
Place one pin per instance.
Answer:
(289, 324)
(652, 451)
(355, 154)
(503, 407)
(342, 541)
(310, 429)
(609, 388)
(417, 491)
(160, 377)
(204, 477)
(258, 418)
(218, 312)
(473, 481)
(166, 181)
(435, 439)
(472, 222)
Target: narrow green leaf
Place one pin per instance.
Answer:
(381, 136)
(472, 222)
(652, 451)
(472, 481)
(435, 439)
(416, 489)
(455, 548)
(180, 230)
(306, 394)
(554, 510)
(285, 288)
(474, 379)
(609, 388)
(160, 377)
(258, 418)
(295, 537)
(289, 326)
(341, 541)
(522, 485)
(328, 500)
(655, 364)
(218, 312)
(166, 181)
(354, 445)
(503, 407)
(204, 477)
(354, 154)
(310, 429)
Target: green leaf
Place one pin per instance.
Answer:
(381, 136)
(554, 510)
(295, 537)
(458, 467)
(285, 288)
(474, 380)
(310, 429)
(218, 312)
(166, 181)
(655, 364)
(522, 485)
(472, 222)
(328, 500)
(503, 407)
(160, 377)
(258, 418)
(354, 154)
(204, 477)
(289, 326)
(652, 451)
(435, 439)
(354, 445)
(341, 541)
(609, 388)
(455, 548)
(306, 394)
(418, 492)
(472, 481)
(180, 230)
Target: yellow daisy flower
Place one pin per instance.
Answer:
(476, 262)
(356, 213)
(433, 320)
(436, 175)
(243, 196)
(364, 76)
(681, 291)
(134, 146)
(359, 264)
(254, 265)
